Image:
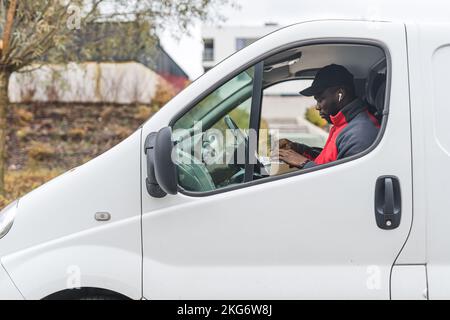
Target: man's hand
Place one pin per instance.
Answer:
(285, 144)
(291, 157)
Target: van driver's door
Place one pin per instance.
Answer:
(310, 235)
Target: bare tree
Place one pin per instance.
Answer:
(39, 31)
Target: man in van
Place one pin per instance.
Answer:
(353, 129)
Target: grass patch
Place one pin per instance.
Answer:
(20, 182)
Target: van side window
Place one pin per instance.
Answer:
(286, 114)
(210, 137)
(304, 108)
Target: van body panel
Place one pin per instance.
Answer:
(55, 233)
(409, 282)
(431, 108)
(95, 258)
(8, 290)
(414, 251)
(280, 239)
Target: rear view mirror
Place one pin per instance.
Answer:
(161, 170)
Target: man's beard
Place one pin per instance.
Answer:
(334, 110)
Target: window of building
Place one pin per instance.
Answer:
(208, 49)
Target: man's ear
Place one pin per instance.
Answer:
(341, 93)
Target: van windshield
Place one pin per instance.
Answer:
(214, 99)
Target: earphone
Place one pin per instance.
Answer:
(340, 97)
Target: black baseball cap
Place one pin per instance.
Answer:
(333, 75)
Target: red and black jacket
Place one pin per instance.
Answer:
(354, 130)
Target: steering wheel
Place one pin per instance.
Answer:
(193, 175)
(235, 129)
(243, 137)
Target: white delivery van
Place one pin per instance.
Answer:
(137, 222)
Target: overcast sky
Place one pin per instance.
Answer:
(187, 52)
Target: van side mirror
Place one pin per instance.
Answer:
(161, 170)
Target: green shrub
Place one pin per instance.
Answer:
(143, 113)
(164, 93)
(23, 116)
(77, 133)
(122, 132)
(40, 152)
(23, 133)
(313, 116)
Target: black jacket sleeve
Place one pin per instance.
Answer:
(310, 152)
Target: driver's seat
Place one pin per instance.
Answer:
(376, 89)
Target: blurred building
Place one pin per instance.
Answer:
(220, 42)
(112, 42)
(165, 66)
(112, 68)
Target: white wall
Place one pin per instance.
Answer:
(122, 83)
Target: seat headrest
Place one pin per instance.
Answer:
(379, 98)
(374, 82)
(375, 78)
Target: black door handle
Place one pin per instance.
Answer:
(388, 202)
